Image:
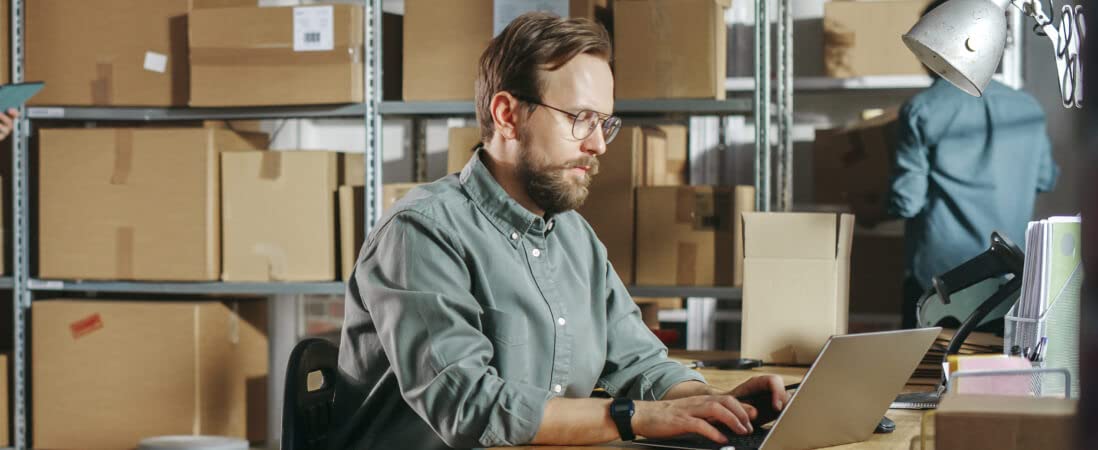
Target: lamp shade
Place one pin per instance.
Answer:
(962, 41)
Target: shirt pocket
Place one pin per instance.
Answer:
(506, 329)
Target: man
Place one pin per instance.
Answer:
(6, 122)
(965, 166)
(483, 310)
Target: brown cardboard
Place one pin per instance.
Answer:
(448, 38)
(278, 212)
(794, 262)
(852, 165)
(669, 48)
(351, 227)
(462, 141)
(4, 435)
(93, 52)
(354, 169)
(392, 192)
(979, 422)
(686, 235)
(676, 155)
(877, 270)
(234, 48)
(444, 38)
(106, 374)
(610, 207)
(856, 47)
(132, 203)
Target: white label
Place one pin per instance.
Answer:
(314, 29)
(504, 11)
(45, 113)
(156, 62)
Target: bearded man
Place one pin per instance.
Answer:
(483, 311)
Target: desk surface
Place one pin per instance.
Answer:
(906, 436)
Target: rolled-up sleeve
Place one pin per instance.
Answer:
(415, 285)
(911, 167)
(636, 361)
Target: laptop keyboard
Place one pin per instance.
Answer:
(694, 441)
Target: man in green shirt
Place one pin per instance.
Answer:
(483, 310)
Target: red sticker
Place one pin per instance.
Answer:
(85, 326)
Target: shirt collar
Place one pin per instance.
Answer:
(506, 214)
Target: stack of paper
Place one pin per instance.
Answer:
(1044, 325)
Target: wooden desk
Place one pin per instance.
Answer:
(906, 436)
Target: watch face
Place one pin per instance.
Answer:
(621, 409)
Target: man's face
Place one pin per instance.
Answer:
(554, 165)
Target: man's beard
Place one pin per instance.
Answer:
(550, 185)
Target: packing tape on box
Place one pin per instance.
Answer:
(276, 259)
(123, 250)
(837, 44)
(123, 156)
(276, 56)
(270, 165)
(687, 256)
(102, 86)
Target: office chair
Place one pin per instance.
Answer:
(306, 414)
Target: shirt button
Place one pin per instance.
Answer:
(535, 252)
(514, 236)
(561, 321)
(557, 389)
(551, 225)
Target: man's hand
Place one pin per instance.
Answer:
(772, 383)
(696, 414)
(6, 122)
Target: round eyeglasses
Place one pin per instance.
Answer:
(586, 121)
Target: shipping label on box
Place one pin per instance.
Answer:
(796, 284)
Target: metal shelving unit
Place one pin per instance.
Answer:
(371, 110)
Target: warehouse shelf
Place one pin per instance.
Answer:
(621, 107)
(881, 82)
(213, 288)
(721, 292)
(354, 110)
(681, 316)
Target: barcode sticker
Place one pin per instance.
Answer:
(156, 62)
(314, 28)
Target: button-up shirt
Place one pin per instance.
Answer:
(966, 166)
(467, 313)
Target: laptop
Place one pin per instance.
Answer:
(842, 397)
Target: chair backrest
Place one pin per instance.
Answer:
(306, 413)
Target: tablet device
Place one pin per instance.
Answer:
(15, 95)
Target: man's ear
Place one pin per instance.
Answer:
(505, 109)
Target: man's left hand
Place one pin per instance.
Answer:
(762, 383)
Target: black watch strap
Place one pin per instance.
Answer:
(621, 412)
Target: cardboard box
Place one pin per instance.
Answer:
(855, 47)
(392, 192)
(665, 155)
(106, 374)
(794, 262)
(686, 235)
(110, 52)
(231, 48)
(132, 203)
(5, 436)
(278, 210)
(449, 38)
(352, 229)
(980, 422)
(877, 269)
(670, 48)
(462, 142)
(610, 207)
(853, 165)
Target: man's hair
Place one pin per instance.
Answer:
(532, 42)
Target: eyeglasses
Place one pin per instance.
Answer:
(585, 121)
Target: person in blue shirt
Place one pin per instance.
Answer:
(965, 166)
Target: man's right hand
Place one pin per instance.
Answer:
(669, 418)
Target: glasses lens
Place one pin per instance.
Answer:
(610, 128)
(585, 124)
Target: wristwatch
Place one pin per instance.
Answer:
(621, 412)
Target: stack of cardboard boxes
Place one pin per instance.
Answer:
(856, 47)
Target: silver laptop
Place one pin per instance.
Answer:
(842, 397)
